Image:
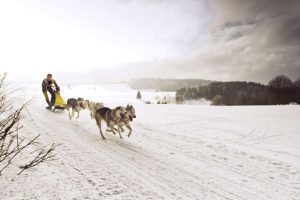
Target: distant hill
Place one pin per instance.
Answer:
(167, 85)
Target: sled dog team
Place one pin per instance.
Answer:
(116, 119)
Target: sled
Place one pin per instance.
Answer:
(59, 102)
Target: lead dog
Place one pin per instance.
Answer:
(111, 117)
(126, 119)
(74, 106)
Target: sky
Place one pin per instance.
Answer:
(112, 40)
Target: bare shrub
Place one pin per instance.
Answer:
(12, 143)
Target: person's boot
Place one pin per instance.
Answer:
(52, 107)
(49, 105)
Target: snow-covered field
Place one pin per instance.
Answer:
(174, 152)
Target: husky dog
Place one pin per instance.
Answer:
(111, 117)
(126, 119)
(93, 107)
(75, 105)
(130, 114)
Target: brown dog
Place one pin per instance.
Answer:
(111, 117)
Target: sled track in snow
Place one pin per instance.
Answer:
(156, 162)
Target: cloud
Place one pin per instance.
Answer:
(248, 40)
(86, 35)
(211, 39)
(267, 35)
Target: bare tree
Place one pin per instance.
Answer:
(297, 83)
(281, 82)
(281, 89)
(12, 143)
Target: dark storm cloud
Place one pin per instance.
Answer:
(279, 19)
(271, 43)
(248, 40)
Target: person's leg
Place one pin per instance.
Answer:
(46, 97)
(52, 92)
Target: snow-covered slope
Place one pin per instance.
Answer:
(174, 152)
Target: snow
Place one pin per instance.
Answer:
(174, 152)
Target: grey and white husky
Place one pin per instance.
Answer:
(126, 119)
(93, 107)
(74, 106)
(111, 117)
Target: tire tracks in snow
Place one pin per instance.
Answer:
(214, 165)
(152, 164)
(79, 161)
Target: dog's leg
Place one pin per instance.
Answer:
(72, 115)
(120, 126)
(77, 115)
(101, 132)
(110, 128)
(98, 121)
(119, 130)
(130, 129)
(120, 134)
(114, 129)
(69, 111)
(92, 115)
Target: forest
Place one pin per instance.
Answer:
(279, 90)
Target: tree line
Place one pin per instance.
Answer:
(280, 90)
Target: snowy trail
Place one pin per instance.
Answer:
(175, 152)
